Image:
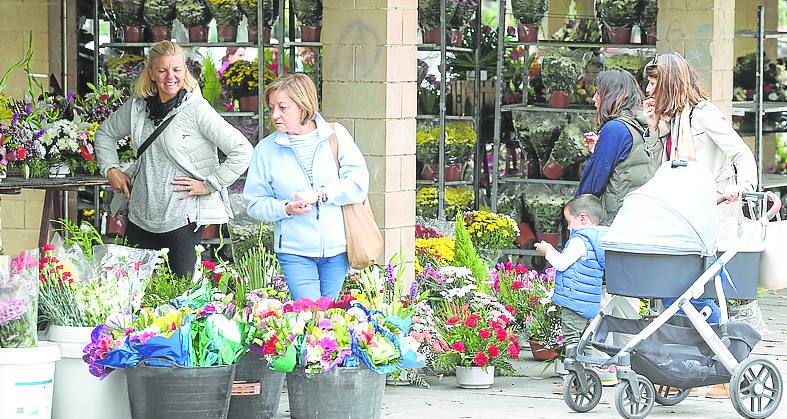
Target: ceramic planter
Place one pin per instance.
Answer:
(453, 172)
(210, 232)
(310, 33)
(455, 37)
(116, 225)
(540, 353)
(551, 238)
(527, 33)
(475, 377)
(553, 170)
(559, 99)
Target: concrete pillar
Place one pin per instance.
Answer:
(369, 86)
(702, 31)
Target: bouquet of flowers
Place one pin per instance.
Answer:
(543, 318)
(242, 78)
(437, 252)
(18, 301)
(424, 332)
(514, 285)
(489, 230)
(68, 141)
(21, 141)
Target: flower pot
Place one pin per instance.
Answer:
(249, 103)
(253, 34)
(310, 33)
(453, 171)
(620, 34)
(455, 37)
(526, 236)
(228, 33)
(553, 170)
(527, 33)
(540, 353)
(559, 99)
(210, 232)
(359, 395)
(160, 33)
(256, 389)
(27, 375)
(59, 170)
(198, 34)
(551, 238)
(649, 35)
(432, 36)
(116, 225)
(77, 393)
(132, 33)
(475, 377)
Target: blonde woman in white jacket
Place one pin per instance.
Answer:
(176, 186)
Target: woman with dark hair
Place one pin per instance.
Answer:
(621, 161)
(232, 55)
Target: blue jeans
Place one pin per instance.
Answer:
(312, 277)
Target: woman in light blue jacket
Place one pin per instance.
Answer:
(294, 181)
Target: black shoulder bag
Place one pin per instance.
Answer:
(153, 136)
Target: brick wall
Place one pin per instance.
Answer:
(21, 214)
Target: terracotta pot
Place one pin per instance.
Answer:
(132, 33)
(551, 238)
(228, 33)
(455, 37)
(266, 35)
(210, 232)
(198, 34)
(526, 237)
(527, 33)
(432, 36)
(541, 354)
(559, 99)
(252, 33)
(553, 170)
(310, 33)
(160, 33)
(116, 225)
(649, 35)
(249, 103)
(620, 34)
(453, 172)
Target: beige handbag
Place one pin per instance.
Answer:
(364, 241)
(773, 274)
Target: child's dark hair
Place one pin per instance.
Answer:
(587, 203)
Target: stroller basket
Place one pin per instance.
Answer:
(675, 354)
(669, 276)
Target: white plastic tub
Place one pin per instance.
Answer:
(26, 381)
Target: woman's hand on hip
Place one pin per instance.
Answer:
(119, 181)
(192, 187)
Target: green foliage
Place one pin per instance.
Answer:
(193, 13)
(618, 13)
(460, 140)
(242, 78)
(309, 12)
(529, 12)
(648, 13)
(84, 236)
(226, 12)
(159, 12)
(546, 210)
(256, 268)
(560, 73)
(127, 12)
(570, 147)
(466, 255)
(212, 89)
(270, 11)
(165, 285)
(429, 13)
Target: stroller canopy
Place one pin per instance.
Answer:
(673, 214)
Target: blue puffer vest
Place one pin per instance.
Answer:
(579, 287)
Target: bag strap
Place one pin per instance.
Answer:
(153, 136)
(335, 147)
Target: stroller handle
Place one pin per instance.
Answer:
(756, 197)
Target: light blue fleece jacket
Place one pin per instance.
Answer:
(276, 175)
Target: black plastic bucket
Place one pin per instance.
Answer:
(341, 393)
(179, 393)
(256, 390)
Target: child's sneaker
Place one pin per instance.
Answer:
(609, 376)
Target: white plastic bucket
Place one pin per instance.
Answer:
(26, 380)
(78, 394)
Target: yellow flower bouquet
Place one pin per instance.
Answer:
(489, 230)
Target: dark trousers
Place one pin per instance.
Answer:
(180, 243)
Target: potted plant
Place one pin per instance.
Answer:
(309, 14)
(426, 151)
(460, 142)
(513, 286)
(227, 15)
(464, 11)
(429, 18)
(560, 75)
(457, 199)
(270, 11)
(122, 71)
(242, 80)
(529, 14)
(547, 213)
(128, 14)
(545, 329)
(490, 233)
(570, 149)
(649, 10)
(194, 15)
(159, 15)
(618, 16)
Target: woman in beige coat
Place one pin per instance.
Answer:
(691, 128)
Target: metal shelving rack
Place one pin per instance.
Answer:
(758, 107)
(502, 45)
(442, 117)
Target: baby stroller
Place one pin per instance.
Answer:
(663, 245)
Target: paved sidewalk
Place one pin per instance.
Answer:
(531, 396)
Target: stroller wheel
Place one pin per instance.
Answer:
(756, 388)
(670, 396)
(625, 400)
(573, 395)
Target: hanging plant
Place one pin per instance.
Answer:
(159, 12)
(127, 12)
(226, 12)
(529, 12)
(619, 13)
(309, 12)
(192, 13)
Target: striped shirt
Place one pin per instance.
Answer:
(304, 146)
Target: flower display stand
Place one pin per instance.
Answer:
(342, 392)
(475, 377)
(256, 390)
(77, 393)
